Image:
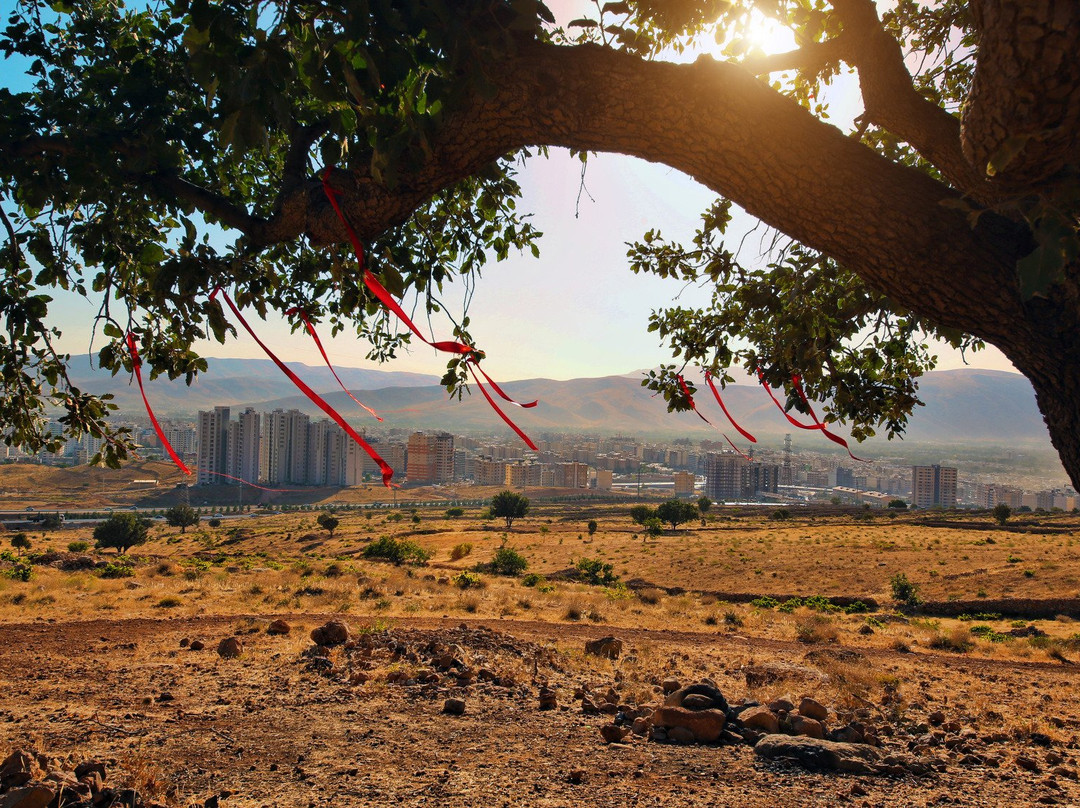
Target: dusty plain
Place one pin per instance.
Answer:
(979, 685)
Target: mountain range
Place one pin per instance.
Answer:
(965, 405)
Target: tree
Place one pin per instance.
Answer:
(51, 521)
(592, 527)
(182, 516)
(328, 522)
(898, 504)
(122, 531)
(509, 506)
(950, 209)
(1001, 513)
(676, 511)
(639, 513)
(703, 504)
(20, 542)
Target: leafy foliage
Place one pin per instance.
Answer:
(639, 513)
(328, 522)
(1001, 513)
(182, 516)
(397, 551)
(508, 561)
(676, 511)
(121, 531)
(595, 572)
(509, 506)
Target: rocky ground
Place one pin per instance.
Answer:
(254, 712)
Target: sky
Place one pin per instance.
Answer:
(577, 311)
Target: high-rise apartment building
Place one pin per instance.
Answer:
(430, 458)
(213, 429)
(245, 441)
(284, 447)
(933, 487)
(732, 477)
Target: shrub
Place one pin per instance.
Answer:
(858, 607)
(652, 595)
(454, 513)
(898, 504)
(397, 551)
(653, 526)
(765, 603)
(958, 640)
(78, 546)
(816, 628)
(468, 580)
(459, 551)
(117, 570)
(790, 605)
(215, 523)
(594, 571)
(508, 561)
(1001, 513)
(780, 515)
(170, 602)
(904, 591)
(20, 572)
(532, 579)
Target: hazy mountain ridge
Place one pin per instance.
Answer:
(965, 405)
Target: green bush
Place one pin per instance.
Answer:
(467, 580)
(508, 561)
(397, 551)
(596, 572)
(780, 515)
(20, 572)
(454, 513)
(904, 591)
(170, 602)
(459, 551)
(532, 579)
(117, 570)
(78, 546)
(765, 603)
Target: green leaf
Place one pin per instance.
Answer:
(1008, 152)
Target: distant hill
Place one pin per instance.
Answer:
(962, 406)
(232, 382)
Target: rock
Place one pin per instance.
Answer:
(760, 718)
(576, 777)
(335, 632)
(197, 645)
(613, 733)
(230, 648)
(609, 647)
(817, 754)
(278, 627)
(695, 701)
(681, 735)
(813, 709)
(642, 726)
(848, 734)
(588, 706)
(936, 718)
(1027, 763)
(670, 685)
(865, 630)
(706, 725)
(454, 707)
(185, 642)
(17, 769)
(781, 706)
(801, 725)
(548, 699)
(31, 795)
(716, 700)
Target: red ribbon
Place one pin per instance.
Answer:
(315, 398)
(500, 413)
(693, 406)
(817, 425)
(136, 363)
(319, 345)
(387, 300)
(796, 380)
(720, 401)
(253, 485)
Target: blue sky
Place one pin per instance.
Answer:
(577, 310)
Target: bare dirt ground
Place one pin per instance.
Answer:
(266, 731)
(97, 662)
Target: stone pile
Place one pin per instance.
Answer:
(29, 780)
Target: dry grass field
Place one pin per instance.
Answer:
(96, 659)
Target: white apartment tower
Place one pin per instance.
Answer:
(213, 446)
(245, 439)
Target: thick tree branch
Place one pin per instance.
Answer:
(216, 206)
(1025, 99)
(892, 102)
(733, 134)
(809, 58)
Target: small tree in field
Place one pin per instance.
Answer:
(703, 505)
(328, 522)
(639, 513)
(509, 506)
(181, 516)
(122, 531)
(592, 528)
(20, 542)
(1001, 513)
(675, 512)
(51, 521)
